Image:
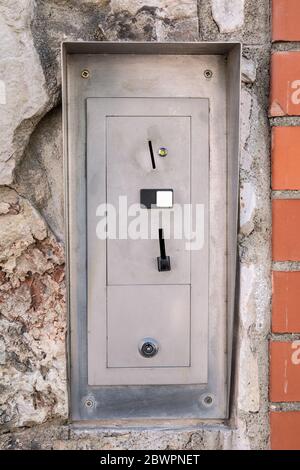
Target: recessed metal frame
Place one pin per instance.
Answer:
(144, 402)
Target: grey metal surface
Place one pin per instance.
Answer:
(160, 312)
(129, 169)
(233, 125)
(140, 75)
(117, 133)
(168, 48)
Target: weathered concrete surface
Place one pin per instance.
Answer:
(32, 297)
(32, 317)
(125, 20)
(39, 177)
(152, 20)
(247, 208)
(255, 264)
(59, 436)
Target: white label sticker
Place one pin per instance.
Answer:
(164, 199)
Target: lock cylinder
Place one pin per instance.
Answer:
(148, 347)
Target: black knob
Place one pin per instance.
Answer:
(163, 261)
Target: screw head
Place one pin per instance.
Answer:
(85, 73)
(89, 403)
(207, 400)
(207, 73)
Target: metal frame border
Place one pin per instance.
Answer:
(232, 51)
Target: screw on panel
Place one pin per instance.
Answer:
(207, 73)
(89, 403)
(207, 400)
(85, 73)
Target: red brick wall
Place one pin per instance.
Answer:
(285, 338)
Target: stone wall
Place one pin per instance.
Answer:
(33, 391)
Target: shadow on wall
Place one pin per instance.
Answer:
(39, 175)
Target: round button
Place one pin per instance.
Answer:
(148, 347)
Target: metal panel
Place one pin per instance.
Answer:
(161, 313)
(139, 74)
(129, 169)
(121, 153)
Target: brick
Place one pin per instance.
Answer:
(285, 84)
(286, 158)
(286, 302)
(285, 20)
(286, 230)
(284, 371)
(285, 427)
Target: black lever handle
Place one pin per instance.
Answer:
(163, 261)
(151, 154)
(162, 243)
